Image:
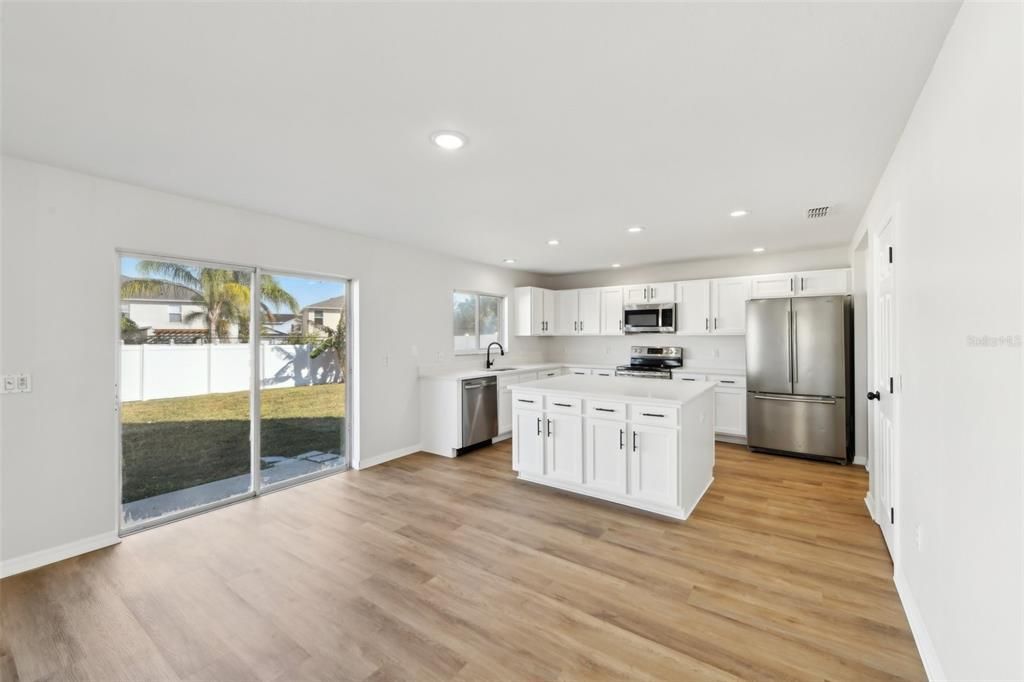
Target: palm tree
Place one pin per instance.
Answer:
(336, 341)
(223, 294)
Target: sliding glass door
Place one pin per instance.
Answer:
(232, 381)
(304, 359)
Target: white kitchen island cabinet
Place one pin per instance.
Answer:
(637, 442)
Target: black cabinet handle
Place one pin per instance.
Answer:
(727, 381)
(604, 409)
(622, 434)
(651, 414)
(563, 404)
(524, 400)
(634, 441)
(549, 428)
(874, 395)
(538, 426)
(687, 379)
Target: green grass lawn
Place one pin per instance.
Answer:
(177, 443)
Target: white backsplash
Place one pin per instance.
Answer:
(705, 352)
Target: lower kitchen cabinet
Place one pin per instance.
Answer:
(654, 462)
(563, 454)
(731, 411)
(605, 455)
(528, 441)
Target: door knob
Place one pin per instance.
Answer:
(874, 395)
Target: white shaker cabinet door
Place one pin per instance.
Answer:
(590, 311)
(563, 452)
(605, 455)
(693, 300)
(780, 285)
(731, 411)
(823, 282)
(654, 464)
(729, 305)
(611, 311)
(528, 442)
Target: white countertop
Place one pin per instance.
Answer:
(621, 388)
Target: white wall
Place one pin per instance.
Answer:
(955, 179)
(698, 351)
(60, 232)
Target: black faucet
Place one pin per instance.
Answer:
(500, 347)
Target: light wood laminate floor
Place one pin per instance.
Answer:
(431, 568)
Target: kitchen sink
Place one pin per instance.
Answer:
(502, 369)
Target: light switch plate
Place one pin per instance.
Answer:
(24, 383)
(10, 383)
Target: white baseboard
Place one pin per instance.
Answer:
(27, 562)
(869, 502)
(861, 460)
(367, 462)
(925, 647)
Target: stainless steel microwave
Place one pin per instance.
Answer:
(649, 318)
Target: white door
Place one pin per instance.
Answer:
(611, 311)
(663, 292)
(693, 307)
(884, 382)
(528, 442)
(772, 286)
(564, 447)
(729, 305)
(605, 455)
(590, 311)
(731, 411)
(567, 317)
(550, 313)
(636, 293)
(823, 282)
(654, 460)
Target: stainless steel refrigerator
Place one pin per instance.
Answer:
(800, 376)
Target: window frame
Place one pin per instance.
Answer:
(502, 320)
(171, 313)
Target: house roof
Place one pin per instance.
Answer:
(168, 291)
(336, 303)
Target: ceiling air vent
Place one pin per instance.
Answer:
(817, 212)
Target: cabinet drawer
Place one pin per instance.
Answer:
(606, 410)
(689, 376)
(527, 401)
(563, 404)
(728, 381)
(657, 415)
(579, 371)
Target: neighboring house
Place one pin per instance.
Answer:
(164, 315)
(315, 316)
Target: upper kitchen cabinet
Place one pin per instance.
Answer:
(611, 311)
(535, 311)
(729, 305)
(822, 282)
(579, 312)
(693, 307)
(808, 283)
(664, 292)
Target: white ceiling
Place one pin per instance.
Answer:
(582, 118)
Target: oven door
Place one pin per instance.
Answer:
(649, 318)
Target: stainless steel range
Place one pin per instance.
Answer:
(651, 362)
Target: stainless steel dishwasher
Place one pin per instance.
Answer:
(479, 411)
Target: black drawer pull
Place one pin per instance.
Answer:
(604, 409)
(727, 381)
(651, 414)
(563, 404)
(687, 379)
(524, 400)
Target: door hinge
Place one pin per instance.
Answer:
(890, 385)
(890, 254)
(892, 515)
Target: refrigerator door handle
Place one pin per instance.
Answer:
(789, 343)
(796, 350)
(795, 399)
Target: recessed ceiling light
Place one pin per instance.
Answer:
(759, 249)
(552, 242)
(510, 261)
(635, 228)
(616, 265)
(738, 213)
(448, 139)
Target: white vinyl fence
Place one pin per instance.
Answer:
(172, 371)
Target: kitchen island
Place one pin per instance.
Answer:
(643, 443)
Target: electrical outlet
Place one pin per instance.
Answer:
(10, 384)
(24, 383)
